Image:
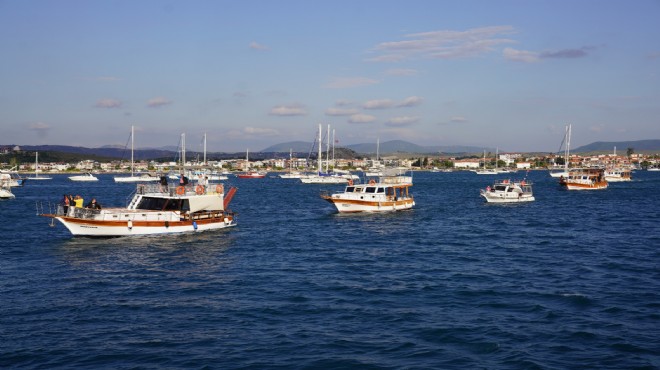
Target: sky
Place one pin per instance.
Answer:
(509, 74)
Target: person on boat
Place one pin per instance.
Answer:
(65, 203)
(183, 180)
(93, 204)
(163, 184)
(79, 201)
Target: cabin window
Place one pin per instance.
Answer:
(500, 187)
(381, 190)
(370, 189)
(350, 189)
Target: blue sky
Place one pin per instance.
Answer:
(506, 74)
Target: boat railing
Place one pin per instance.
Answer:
(174, 190)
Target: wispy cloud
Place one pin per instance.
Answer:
(401, 121)
(340, 111)
(361, 118)
(378, 104)
(596, 128)
(349, 82)
(411, 101)
(521, 55)
(108, 103)
(256, 46)
(39, 126)
(288, 110)
(401, 72)
(257, 131)
(158, 102)
(443, 44)
(568, 53)
(458, 119)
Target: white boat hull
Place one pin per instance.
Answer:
(6, 194)
(136, 178)
(323, 180)
(80, 227)
(507, 197)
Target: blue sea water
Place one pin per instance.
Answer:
(569, 281)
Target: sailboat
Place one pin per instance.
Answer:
(291, 174)
(487, 171)
(567, 140)
(250, 174)
(321, 177)
(132, 177)
(376, 168)
(37, 170)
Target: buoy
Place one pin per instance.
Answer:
(199, 190)
(180, 190)
(220, 189)
(130, 225)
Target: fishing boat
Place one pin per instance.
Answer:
(5, 188)
(584, 179)
(12, 177)
(86, 177)
(389, 193)
(133, 177)
(37, 170)
(154, 209)
(618, 174)
(507, 191)
(567, 140)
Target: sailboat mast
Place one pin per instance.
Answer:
(205, 149)
(333, 147)
(327, 151)
(319, 158)
(568, 146)
(183, 154)
(132, 148)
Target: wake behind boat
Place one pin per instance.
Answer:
(154, 209)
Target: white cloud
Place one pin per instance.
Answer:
(39, 126)
(443, 44)
(349, 82)
(340, 111)
(378, 104)
(288, 110)
(411, 101)
(401, 121)
(256, 46)
(158, 102)
(361, 118)
(108, 103)
(521, 55)
(256, 131)
(458, 119)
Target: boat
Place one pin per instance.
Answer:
(133, 177)
(248, 174)
(618, 174)
(37, 170)
(5, 188)
(487, 171)
(390, 193)
(291, 174)
(12, 177)
(324, 177)
(567, 141)
(86, 177)
(653, 169)
(584, 179)
(154, 209)
(507, 191)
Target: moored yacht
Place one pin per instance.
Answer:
(618, 175)
(86, 177)
(507, 191)
(389, 193)
(584, 179)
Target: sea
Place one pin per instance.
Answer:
(570, 281)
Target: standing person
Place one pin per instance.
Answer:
(65, 203)
(93, 204)
(79, 201)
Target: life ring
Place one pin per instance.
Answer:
(350, 182)
(220, 189)
(372, 182)
(180, 190)
(199, 190)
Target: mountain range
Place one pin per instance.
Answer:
(302, 148)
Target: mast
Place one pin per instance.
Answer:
(183, 154)
(568, 145)
(247, 159)
(205, 149)
(378, 150)
(320, 157)
(327, 151)
(333, 147)
(132, 148)
(36, 163)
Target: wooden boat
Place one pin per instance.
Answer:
(584, 179)
(154, 209)
(389, 193)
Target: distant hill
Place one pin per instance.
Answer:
(393, 146)
(106, 151)
(621, 146)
